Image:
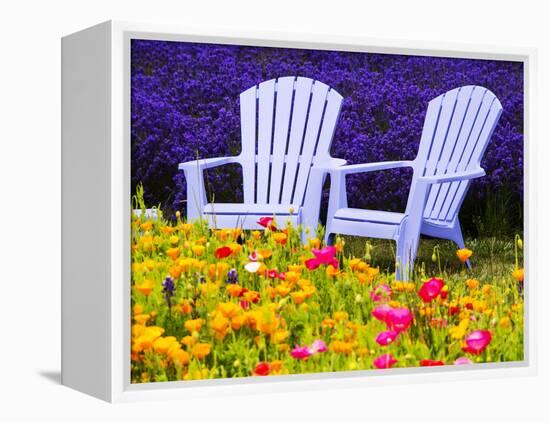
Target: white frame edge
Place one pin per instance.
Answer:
(118, 161)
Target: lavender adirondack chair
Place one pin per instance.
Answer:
(457, 129)
(287, 125)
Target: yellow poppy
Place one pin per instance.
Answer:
(518, 275)
(280, 237)
(146, 287)
(198, 250)
(228, 309)
(464, 254)
(298, 297)
(193, 325)
(201, 350)
(472, 284)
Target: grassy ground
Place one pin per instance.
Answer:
(491, 257)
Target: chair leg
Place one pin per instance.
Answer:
(406, 257)
(403, 261)
(399, 262)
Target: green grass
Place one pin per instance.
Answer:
(492, 256)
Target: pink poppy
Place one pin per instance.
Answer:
(385, 361)
(463, 360)
(323, 256)
(301, 353)
(318, 346)
(431, 289)
(477, 341)
(312, 263)
(386, 337)
(381, 311)
(267, 222)
(272, 274)
(381, 292)
(399, 319)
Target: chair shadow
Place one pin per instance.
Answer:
(53, 376)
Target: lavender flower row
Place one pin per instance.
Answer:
(185, 102)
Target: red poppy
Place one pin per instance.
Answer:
(262, 369)
(438, 323)
(430, 363)
(431, 289)
(252, 296)
(453, 309)
(222, 252)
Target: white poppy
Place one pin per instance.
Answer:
(252, 267)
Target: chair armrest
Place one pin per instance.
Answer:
(196, 192)
(370, 167)
(328, 164)
(203, 164)
(312, 201)
(459, 176)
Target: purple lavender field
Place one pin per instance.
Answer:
(185, 103)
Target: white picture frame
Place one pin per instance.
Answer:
(96, 190)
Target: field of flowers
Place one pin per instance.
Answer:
(185, 103)
(229, 303)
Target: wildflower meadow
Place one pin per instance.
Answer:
(231, 303)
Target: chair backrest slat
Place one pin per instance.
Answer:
(300, 107)
(457, 129)
(285, 92)
(438, 194)
(315, 115)
(266, 102)
(441, 131)
(332, 111)
(248, 141)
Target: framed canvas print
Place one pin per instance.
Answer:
(256, 212)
